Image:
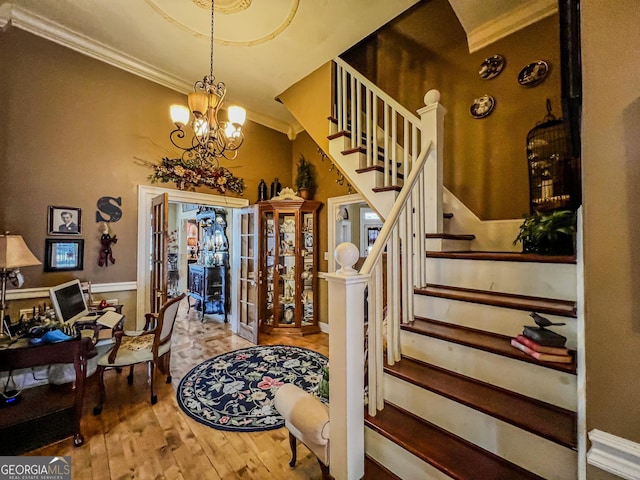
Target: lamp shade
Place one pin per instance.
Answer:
(14, 253)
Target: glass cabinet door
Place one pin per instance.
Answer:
(308, 268)
(270, 249)
(286, 269)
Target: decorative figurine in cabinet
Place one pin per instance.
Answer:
(208, 282)
(289, 276)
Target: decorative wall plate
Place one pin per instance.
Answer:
(482, 107)
(491, 67)
(533, 74)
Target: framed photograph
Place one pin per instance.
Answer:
(63, 254)
(65, 220)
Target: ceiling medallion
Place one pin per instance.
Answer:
(225, 7)
(162, 7)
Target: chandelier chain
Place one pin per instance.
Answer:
(213, 6)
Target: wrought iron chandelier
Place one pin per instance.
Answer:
(212, 139)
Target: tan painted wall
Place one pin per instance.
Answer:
(485, 163)
(327, 188)
(611, 186)
(71, 131)
(309, 101)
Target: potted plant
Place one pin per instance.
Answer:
(304, 178)
(548, 233)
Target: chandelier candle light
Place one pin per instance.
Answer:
(211, 139)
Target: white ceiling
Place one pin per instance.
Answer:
(262, 47)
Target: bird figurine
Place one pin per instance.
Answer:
(542, 321)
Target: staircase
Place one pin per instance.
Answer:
(452, 398)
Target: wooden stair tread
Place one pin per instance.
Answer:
(451, 236)
(481, 340)
(377, 168)
(504, 257)
(565, 308)
(396, 188)
(374, 471)
(540, 418)
(448, 453)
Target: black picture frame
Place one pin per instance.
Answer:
(56, 224)
(63, 254)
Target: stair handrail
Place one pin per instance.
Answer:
(391, 221)
(378, 91)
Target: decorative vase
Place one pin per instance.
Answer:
(303, 193)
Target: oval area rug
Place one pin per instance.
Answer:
(234, 391)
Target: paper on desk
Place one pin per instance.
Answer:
(109, 319)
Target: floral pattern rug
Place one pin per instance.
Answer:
(234, 391)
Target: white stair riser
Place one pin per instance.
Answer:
(551, 386)
(536, 454)
(381, 202)
(505, 321)
(398, 460)
(547, 280)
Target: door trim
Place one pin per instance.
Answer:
(145, 195)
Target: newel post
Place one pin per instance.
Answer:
(346, 365)
(432, 127)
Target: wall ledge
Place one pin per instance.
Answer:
(614, 454)
(43, 292)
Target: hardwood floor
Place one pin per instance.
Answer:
(133, 439)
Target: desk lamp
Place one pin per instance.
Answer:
(14, 254)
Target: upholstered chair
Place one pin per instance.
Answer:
(152, 346)
(307, 420)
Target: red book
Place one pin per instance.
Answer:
(545, 357)
(541, 348)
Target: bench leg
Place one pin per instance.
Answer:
(292, 444)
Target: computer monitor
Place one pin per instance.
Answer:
(68, 301)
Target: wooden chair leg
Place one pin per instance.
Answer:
(97, 410)
(325, 470)
(130, 376)
(293, 443)
(167, 365)
(152, 374)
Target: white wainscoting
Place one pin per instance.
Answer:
(43, 292)
(614, 454)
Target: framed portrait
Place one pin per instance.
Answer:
(63, 254)
(65, 220)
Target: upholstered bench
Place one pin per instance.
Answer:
(307, 420)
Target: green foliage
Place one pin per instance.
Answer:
(188, 174)
(548, 233)
(304, 177)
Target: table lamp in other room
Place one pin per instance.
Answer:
(14, 254)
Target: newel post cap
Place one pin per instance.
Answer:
(346, 255)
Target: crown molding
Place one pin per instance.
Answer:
(54, 32)
(509, 23)
(291, 130)
(16, 16)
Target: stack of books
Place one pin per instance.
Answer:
(543, 344)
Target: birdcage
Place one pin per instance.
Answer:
(554, 178)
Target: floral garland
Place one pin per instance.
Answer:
(188, 174)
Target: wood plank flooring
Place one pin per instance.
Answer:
(134, 440)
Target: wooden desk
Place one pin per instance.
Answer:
(40, 402)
